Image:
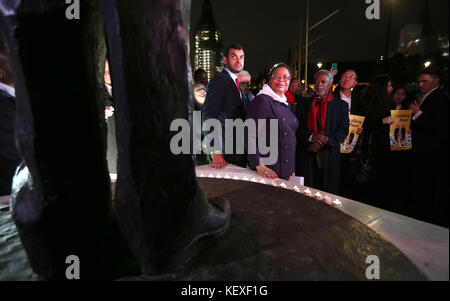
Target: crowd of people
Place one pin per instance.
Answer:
(311, 129)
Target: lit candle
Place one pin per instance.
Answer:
(274, 184)
(327, 199)
(282, 185)
(336, 202)
(202, 175)
(296, 188)
(226, 176)
(307, 192)
(218, 176)
(235, 178)
(318, 196)
(210, 175)
(262, 181)
(254, 180)
(245, 178)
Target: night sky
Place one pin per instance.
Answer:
(267, 28)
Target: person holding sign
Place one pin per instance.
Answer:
(350, 163)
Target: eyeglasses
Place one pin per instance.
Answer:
(281, 77)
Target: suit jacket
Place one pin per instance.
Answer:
(430, 129)
(223, 101)
(336, 129)
(264, 107)
(355, 108)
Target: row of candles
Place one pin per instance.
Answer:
(326, 198)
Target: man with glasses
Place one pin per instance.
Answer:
(324, 122)
(223, 101)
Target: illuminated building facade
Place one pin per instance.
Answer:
(208, 43)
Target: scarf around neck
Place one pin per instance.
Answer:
(267, 90)
(318, 113)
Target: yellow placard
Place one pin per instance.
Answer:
(400, 130)
(352, 138)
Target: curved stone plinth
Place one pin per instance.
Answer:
(275, 234)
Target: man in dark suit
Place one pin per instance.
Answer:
(430, 150)
(9, 157)
(223, 101)
(324, 123)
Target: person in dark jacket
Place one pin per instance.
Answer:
(9, 156)
(223, 101)
(401, 198)
(271, 104)
(350, 162)
(324, 125)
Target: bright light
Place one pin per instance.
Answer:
(319, 65)
(303, 81)
(427, 64)
(381, 58)
(417, 41)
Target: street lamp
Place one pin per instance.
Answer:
(427, 64)
(319, 65)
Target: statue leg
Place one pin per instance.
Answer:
(61, 193)
(160, 207)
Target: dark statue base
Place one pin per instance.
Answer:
(275, 234)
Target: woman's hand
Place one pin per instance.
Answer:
(266, 172)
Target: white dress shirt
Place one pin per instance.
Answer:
(348, 100)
